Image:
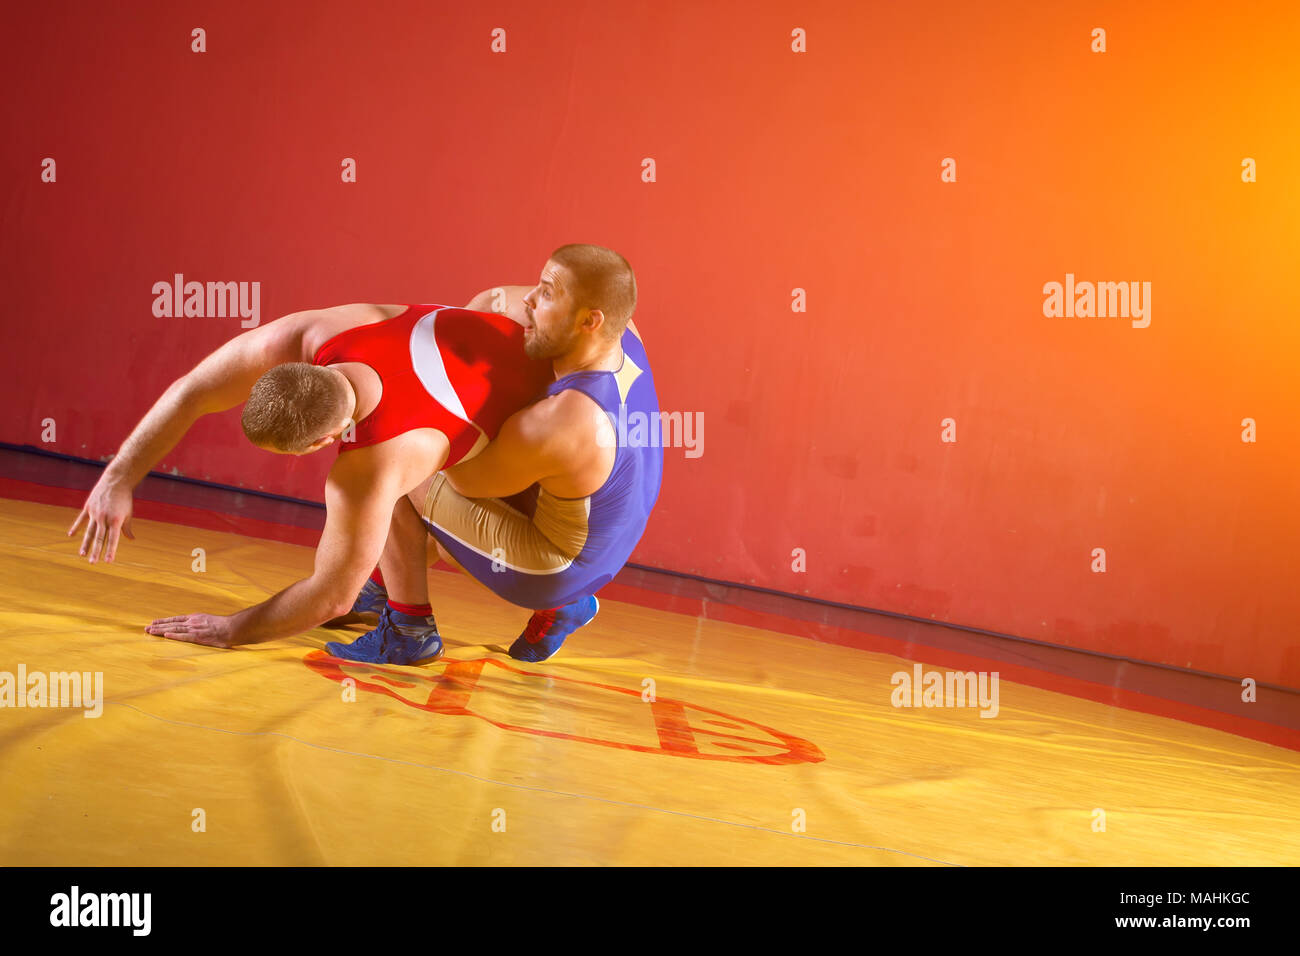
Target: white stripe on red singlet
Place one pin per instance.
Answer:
(426, 359)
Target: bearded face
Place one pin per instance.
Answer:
(552, 339)
(552, 315)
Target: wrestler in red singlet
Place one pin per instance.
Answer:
(461, 372)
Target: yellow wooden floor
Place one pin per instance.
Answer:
(560, 763)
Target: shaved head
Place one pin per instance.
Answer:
(600, 279)
(295, 405)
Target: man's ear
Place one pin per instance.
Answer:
(318, 444)
(594, 320)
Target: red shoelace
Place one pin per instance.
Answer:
(538, 625)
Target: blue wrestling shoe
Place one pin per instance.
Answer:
(399, 639)
(547, 630)
(366, 609)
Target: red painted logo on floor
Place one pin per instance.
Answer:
(681, 729)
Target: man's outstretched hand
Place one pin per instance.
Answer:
(107, 512)
(208, 629)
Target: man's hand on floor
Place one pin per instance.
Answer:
(209, 629)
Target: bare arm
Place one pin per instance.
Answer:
(359, 504)
(564, 442)
(221, 381)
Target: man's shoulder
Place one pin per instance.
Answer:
(318, 326)
(569, 406)
(569, 412)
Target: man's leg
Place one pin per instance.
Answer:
(496, 545)
(438, 553)
(505, 550)
(404, 563)
(400, 574)
(410, 550)
(406, 632)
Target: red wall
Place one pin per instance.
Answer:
(776, 170)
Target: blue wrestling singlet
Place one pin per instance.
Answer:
(569, 547)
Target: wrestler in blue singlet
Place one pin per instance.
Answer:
(603, 528)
